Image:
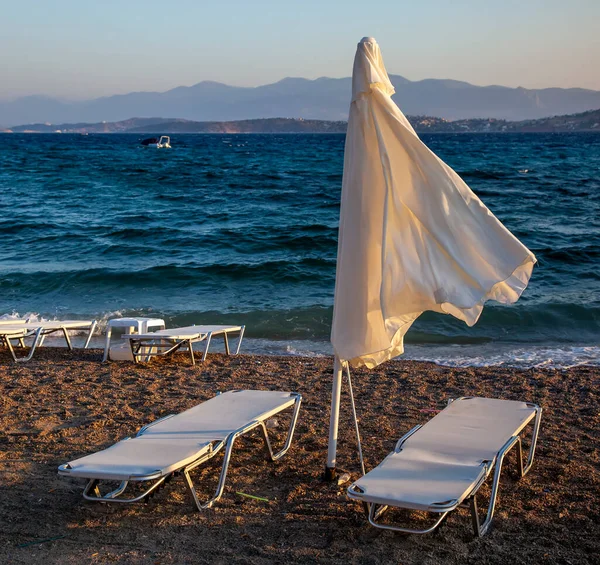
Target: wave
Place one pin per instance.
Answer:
(174, 275)
(570, 255)
(485, 175)
(547, 357)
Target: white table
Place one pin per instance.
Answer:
(131, 325)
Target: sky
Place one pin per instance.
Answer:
(81, 49)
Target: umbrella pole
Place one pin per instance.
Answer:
(334, 420)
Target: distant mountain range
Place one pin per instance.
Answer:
(585, 121)
(320, 99)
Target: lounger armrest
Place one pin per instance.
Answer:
(144, 428)
(399, 443)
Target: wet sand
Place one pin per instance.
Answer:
(64, 405)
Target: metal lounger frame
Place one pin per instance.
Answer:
(374, 511)
(140, 347)
(39, 334)
(228, 443)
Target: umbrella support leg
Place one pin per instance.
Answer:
(330, 473)
(358, 443)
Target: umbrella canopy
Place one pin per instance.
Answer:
(413, 236)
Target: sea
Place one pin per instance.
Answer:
(242, 229)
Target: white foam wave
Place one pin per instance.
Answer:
(507, 355)
(540, 356)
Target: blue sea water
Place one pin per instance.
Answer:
(243, 229)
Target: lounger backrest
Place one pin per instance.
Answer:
(218, 417)
(471, 429)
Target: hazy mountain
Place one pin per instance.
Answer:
(320, 99)
(585, 121)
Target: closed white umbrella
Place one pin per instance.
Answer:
(413, 236)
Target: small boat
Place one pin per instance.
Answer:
(163, 142)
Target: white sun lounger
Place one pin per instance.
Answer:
(39, 331)
(179, 443)
(163, 342)
(436, 467)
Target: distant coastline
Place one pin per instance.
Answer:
(583, 122)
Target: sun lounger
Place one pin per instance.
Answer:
(437, 467)
(179, 443)
(39, 331)
(164, 342)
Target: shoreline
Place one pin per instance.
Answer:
(511, 355)
(63, 404)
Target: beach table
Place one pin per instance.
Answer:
(163, 342)
(132, 325)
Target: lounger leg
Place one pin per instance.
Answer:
(290, 435)
(519, 458)
(192, 352)
(475, 516)
(92, 486)
(241, 336)
(190, 487)
(21, 342)
(119, 490)
(226, 341)
(534, 437)
(107, 343)
(133, 344)
(90, 334)
(10, 348)
(67, 339)
(37, 340)
(265, 436)
(222, 477)
(375, 513)
(208, 338)
(495, 485)
(516, 440)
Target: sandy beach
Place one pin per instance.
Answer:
(63, 405)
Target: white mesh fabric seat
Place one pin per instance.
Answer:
(419, 481)
(182, 442)
(136, 457)
(436, 467)
(221, 416)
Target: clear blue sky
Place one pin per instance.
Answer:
(88, 48)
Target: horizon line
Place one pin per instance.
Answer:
(64, 98)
